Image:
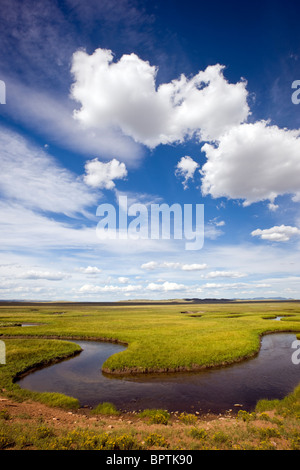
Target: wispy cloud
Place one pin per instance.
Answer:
(36, 180)
(232, 274)
(49, 276)
(50, 116)
(152, 265)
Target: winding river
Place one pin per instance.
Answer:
(271, 374)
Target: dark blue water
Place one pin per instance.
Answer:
(270, 375)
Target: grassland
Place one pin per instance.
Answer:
(160, 338)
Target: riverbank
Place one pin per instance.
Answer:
(215, 390)
(35, 426)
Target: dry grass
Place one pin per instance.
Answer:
(31, 426)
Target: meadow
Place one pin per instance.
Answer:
(159, 338)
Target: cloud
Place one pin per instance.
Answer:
(273, 207)
(30, 40)
(49, 276)
(101, 175)
(185, 169)
(151, 265)
(277, 234)
(32, 177)
(38, 93)
(50, 116)
(165, 287)
(253, 162)
(231, 274)
(92, 289)
(90, 270)
(23, 229)
(124, 95)
(212, 228)
(193, 267)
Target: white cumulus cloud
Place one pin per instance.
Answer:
(101, 175)
(185, 169)
(282, 233)
(165, 287)
(124, 95)
(90, 270)
(253, 162)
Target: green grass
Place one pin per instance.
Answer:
(105, 408)
(159, 338)
(22, 356)
(46, 438)
(156, 416)
(288, 406)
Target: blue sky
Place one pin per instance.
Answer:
(164, 102)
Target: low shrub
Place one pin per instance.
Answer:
(156, 440)
(198, 433)
(105, 408)
(221, 438)
(245, 416)
(4, 414)
(187, 418)
(156, 416)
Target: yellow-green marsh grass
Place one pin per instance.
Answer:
(160, 338)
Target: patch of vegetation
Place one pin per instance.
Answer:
(90, 440)
(22, 356)
(4, 414)
(187, 418)
(197, 433)
(221, 438)
(105, 408)
(156, 440)
(156, 416)
(245, 416)
(288, 406)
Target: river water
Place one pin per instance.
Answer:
(271, 374)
